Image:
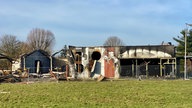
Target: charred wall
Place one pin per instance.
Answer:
(157, 60)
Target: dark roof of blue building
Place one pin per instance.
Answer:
(39, 50)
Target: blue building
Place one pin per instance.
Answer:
(37, 61)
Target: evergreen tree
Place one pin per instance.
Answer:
(181, 43)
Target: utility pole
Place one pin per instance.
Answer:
(185, 56)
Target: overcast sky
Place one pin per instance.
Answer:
(91, 22)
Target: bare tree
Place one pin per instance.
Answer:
(10, 46)
(113, 41)
(41, 39)
(25, 48)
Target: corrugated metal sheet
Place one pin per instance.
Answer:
(109, 63)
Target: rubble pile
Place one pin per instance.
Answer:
(8, 77)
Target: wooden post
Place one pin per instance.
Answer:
(136, 68)
(24, 62)
(28, 69)
(79, 64)
(161, 71)
(51, 63)
(133, 70)
(175, 67)
(147, 72)
(67, 70)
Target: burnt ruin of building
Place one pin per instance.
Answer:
(131, 61)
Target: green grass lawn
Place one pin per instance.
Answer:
(91, 94)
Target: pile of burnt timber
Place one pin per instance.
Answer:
(9, 78)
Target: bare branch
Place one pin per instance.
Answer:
(41, 39)
(113, 41)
